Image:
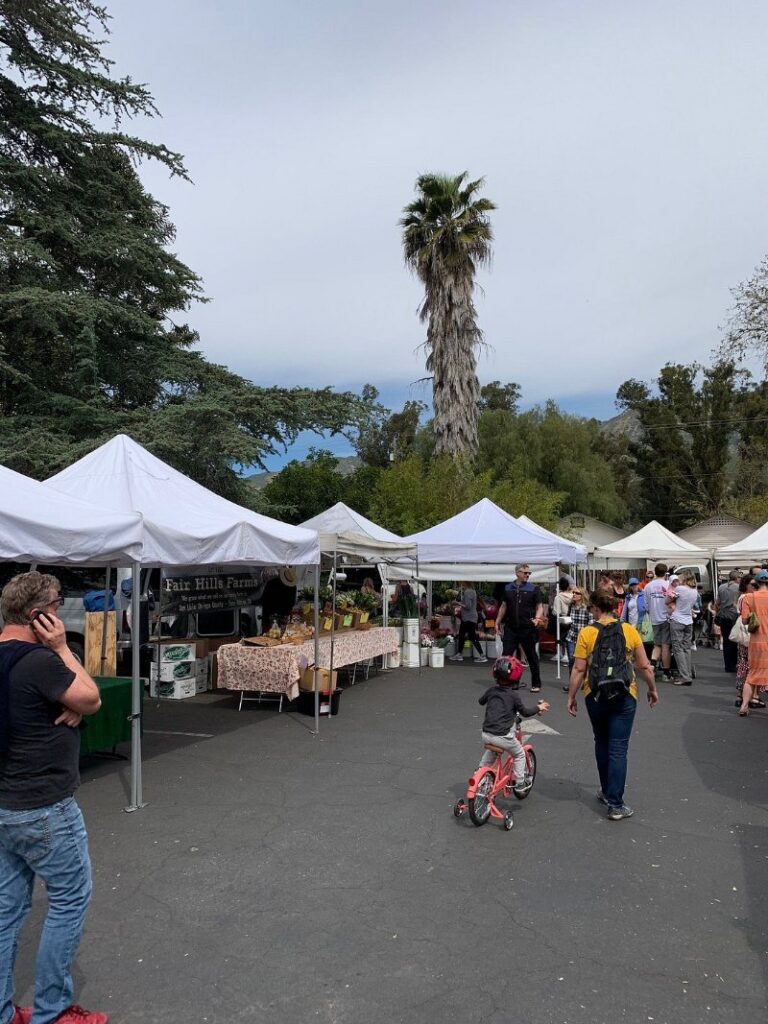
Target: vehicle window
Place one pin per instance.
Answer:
(75, 580)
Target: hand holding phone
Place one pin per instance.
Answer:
(40, 616)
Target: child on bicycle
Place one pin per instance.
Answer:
(502, 706)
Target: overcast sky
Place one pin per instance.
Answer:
(625, 144)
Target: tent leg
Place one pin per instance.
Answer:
(137, 800)
(317, 647)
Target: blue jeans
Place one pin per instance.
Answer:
(612, 725)
(50, 842)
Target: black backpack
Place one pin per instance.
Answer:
(610, 674)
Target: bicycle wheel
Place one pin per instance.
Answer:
(530, 774)
(479, 806)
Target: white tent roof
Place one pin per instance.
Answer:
(41, 526)
(184, 522)
(484, 543)
(753, 546)
(345, 531)
(579, 549)
(653, 541)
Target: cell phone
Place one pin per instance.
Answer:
(39, 616)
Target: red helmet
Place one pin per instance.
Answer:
(507, 671)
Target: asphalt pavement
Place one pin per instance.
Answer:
(279, 877)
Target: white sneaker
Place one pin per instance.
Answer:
(480, 661)
(456, 657)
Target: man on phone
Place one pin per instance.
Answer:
(44, 692)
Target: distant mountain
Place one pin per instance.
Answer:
(627, 422)
(347, 464)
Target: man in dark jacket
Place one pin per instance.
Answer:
(520, 614)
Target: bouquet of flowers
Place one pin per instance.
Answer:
(443, 641)
(426, 639)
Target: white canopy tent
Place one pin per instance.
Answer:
(341, 530)
(183, 523)
(484, 543)
(754, 546)
(40, 526)
(653, 542)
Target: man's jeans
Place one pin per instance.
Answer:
(525, 637)
(612, 725)
(682, 637)
(49, 842)
(730, 649)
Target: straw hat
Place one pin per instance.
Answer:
(287, 576)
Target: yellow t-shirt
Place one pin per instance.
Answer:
(585, 645)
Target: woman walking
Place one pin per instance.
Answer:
(612, 718)
(580, 617)
(756, 603)
(468, 627)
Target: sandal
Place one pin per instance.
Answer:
(743, 712)
(757, 703)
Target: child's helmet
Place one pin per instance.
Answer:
(508, 671)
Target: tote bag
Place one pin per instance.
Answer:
(739, 634)
(645, 629)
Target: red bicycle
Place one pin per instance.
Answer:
(495, 780)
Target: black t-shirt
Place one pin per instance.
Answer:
(502, 705)
(40, 766)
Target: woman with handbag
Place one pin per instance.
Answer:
(754, 615)
(740, 636)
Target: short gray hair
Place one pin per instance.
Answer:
(734, 574)
(25, 592)
(523, 565)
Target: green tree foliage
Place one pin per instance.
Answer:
(413, 495)
(561, 453)
(380, 435)
(91, 294)
(688, 433)
(495, 396)
(303, 489)
(446, 237)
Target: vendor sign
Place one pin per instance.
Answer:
(211, 590)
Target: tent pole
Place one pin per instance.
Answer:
(137, 800)
(317, 647)
(333, 630)
(105, 622)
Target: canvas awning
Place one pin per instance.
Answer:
(484, 543)
(652, 542)
(754, 546)
(343, 531)
(184, 523)
(41, 526)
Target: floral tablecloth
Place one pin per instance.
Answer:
(277, 669)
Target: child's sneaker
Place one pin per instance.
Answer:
(522, 786)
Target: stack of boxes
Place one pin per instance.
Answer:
(176, 672)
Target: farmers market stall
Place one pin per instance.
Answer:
(182, 524)
(279, 668)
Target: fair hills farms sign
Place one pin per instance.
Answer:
(209, 591)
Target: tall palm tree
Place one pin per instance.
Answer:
(446, 237)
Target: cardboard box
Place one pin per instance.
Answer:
(325, 680)
(178, 689)
(172, 651)
(170, 672)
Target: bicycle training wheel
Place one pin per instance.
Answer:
(530, 758)
(479, 806)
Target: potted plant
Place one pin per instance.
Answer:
(426, 644)
(437, 651)
(446, 644)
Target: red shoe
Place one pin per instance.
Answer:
(21, 1015)
(77, 1015)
